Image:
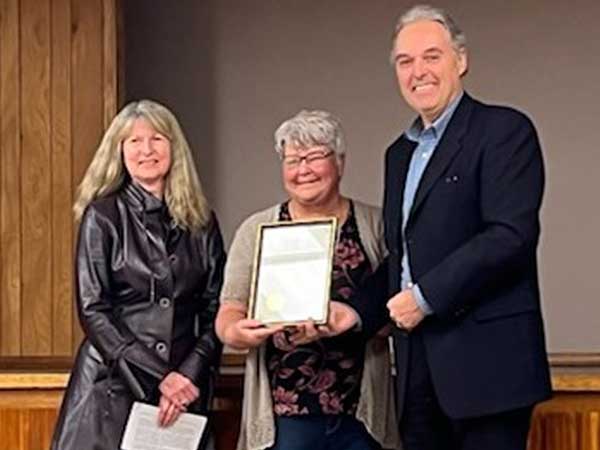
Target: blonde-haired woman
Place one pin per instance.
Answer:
(149, 266)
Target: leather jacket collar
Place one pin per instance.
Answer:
(141, 200)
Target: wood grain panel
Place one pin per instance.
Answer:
(36, 179)
(570, 421)
(62, 180)
(11, 430)
(109, 62)
(10, 164)
(40, 425)
(58, 89)
(26, 429)
(87, 79)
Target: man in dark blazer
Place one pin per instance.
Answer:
(463, 188)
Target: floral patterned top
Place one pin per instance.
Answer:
(322, 377)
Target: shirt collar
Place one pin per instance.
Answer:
(438, 126)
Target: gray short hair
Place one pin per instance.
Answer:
(427, 12)
(311, 128)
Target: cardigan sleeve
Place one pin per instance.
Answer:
(240, 262)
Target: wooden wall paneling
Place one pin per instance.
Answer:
(592, 433)
(86, 84)
(39, 429)
(62, 180)
(109, 62)
(11, 429)
(569, 421)
(10, 166)
(27, 429)
(36, 333)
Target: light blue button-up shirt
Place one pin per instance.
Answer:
(427, 140)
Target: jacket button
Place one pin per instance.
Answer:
(161, 347)
(164, 302)
(173, 259)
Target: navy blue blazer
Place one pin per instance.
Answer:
(472, 236)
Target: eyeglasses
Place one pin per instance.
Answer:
(314, 157)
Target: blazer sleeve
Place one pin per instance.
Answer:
(370, 298)
(369, 301)
(511, 187)
(141, 368)
(205, 356)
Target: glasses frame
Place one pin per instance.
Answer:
(293, 165)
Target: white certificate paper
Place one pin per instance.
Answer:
(292, 271)
(143, 433)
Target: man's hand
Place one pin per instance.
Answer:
(404, 310)
(341, 319)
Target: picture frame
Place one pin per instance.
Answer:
(291, 277)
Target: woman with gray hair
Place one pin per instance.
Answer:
(149, 266)
(302, 390)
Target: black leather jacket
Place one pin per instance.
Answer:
(147, 295)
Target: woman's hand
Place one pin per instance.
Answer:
(238, 332)
(304, 333)
(168, 411)
(179, 391)
(341, 319)
(248, 333)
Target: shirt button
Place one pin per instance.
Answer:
(173, 259)
(161, 347)
(164, 302)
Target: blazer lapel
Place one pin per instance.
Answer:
(448, 148)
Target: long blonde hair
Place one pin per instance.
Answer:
(106, 173)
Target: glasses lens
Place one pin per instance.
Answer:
(311, 157)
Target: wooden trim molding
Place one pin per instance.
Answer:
(571, 372)
(575, 359)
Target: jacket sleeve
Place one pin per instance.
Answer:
(205, 356)
(369, 301)
(511, 188)
(141, 368)
(370, 298)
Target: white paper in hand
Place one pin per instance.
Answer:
(143, 433)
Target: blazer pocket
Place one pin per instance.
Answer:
(507, 304)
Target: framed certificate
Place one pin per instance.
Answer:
(292, 271)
